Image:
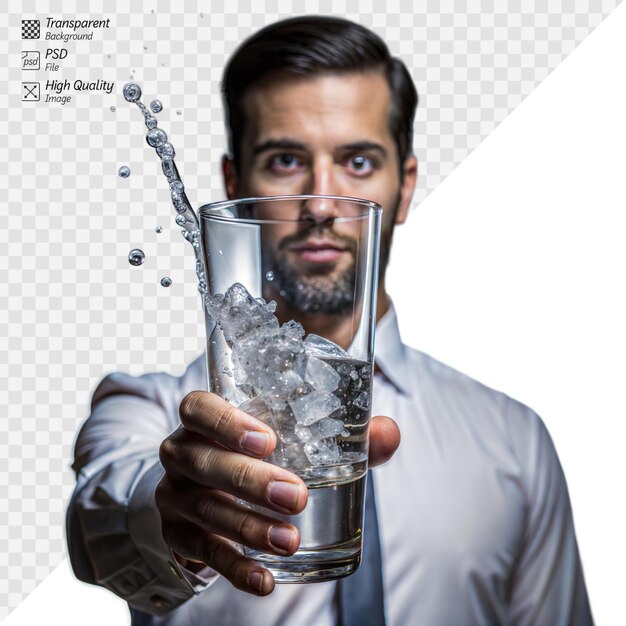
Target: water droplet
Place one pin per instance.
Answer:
(201, 14)
(108, 56)
(131, 77)
(156, 137)
(124, 171)
(145, 47)
(112, 109)
(166, 150)
(136, 257)
(151, 10)
(158, 229)
(283, 293)
(269, 275)
(177, 187)
(181, 220)
(151, 122)
(179, 112)
(220, 252)
(166, 281)
(156, 106)
(132, 92)
(300, 286)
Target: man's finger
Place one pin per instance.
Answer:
(193, 543)
(216, 512)
(187, 457)
(384, 439)
(210, 416)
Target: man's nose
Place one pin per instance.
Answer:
(321, 183)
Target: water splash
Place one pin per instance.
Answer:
(157, 139)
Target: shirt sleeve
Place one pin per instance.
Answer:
(548, 586)
(113, 524)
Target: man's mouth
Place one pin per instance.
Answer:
(317, 251)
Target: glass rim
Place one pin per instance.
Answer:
(207, 211)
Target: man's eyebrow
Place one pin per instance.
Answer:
(290, 144)
(363, 146)
(282, 144)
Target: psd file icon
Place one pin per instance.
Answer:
(30, 29)
(30, 59)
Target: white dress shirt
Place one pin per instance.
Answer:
(474, 516)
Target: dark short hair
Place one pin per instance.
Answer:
(310, 45)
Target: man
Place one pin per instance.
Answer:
(473, 512)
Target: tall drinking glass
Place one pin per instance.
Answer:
(290, 316)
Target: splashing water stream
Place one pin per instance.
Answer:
(186, 218)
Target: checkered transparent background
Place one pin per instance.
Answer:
(73, 309)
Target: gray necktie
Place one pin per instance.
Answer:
(361, 601)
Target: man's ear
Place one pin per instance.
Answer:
(229, 176)
(407, 189)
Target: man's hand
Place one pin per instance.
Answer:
(212, 460)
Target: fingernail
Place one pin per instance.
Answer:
(255, 442)
(284, 494)
(281, 537)
(255, 581)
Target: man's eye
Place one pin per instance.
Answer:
(361, 165)
(284, 163)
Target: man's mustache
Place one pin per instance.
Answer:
(320, 231)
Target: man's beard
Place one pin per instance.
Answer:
(317, 293)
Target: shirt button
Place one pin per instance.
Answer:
(160, 602)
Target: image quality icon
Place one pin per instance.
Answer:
(30, 92)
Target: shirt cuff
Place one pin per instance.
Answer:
(174, 584)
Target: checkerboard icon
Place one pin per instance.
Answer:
(30, 29)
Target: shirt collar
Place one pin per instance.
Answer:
(390, 355)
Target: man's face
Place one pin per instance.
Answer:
(323, 135)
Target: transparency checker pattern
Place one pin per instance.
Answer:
(73, 309)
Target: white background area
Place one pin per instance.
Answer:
(513, 271)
